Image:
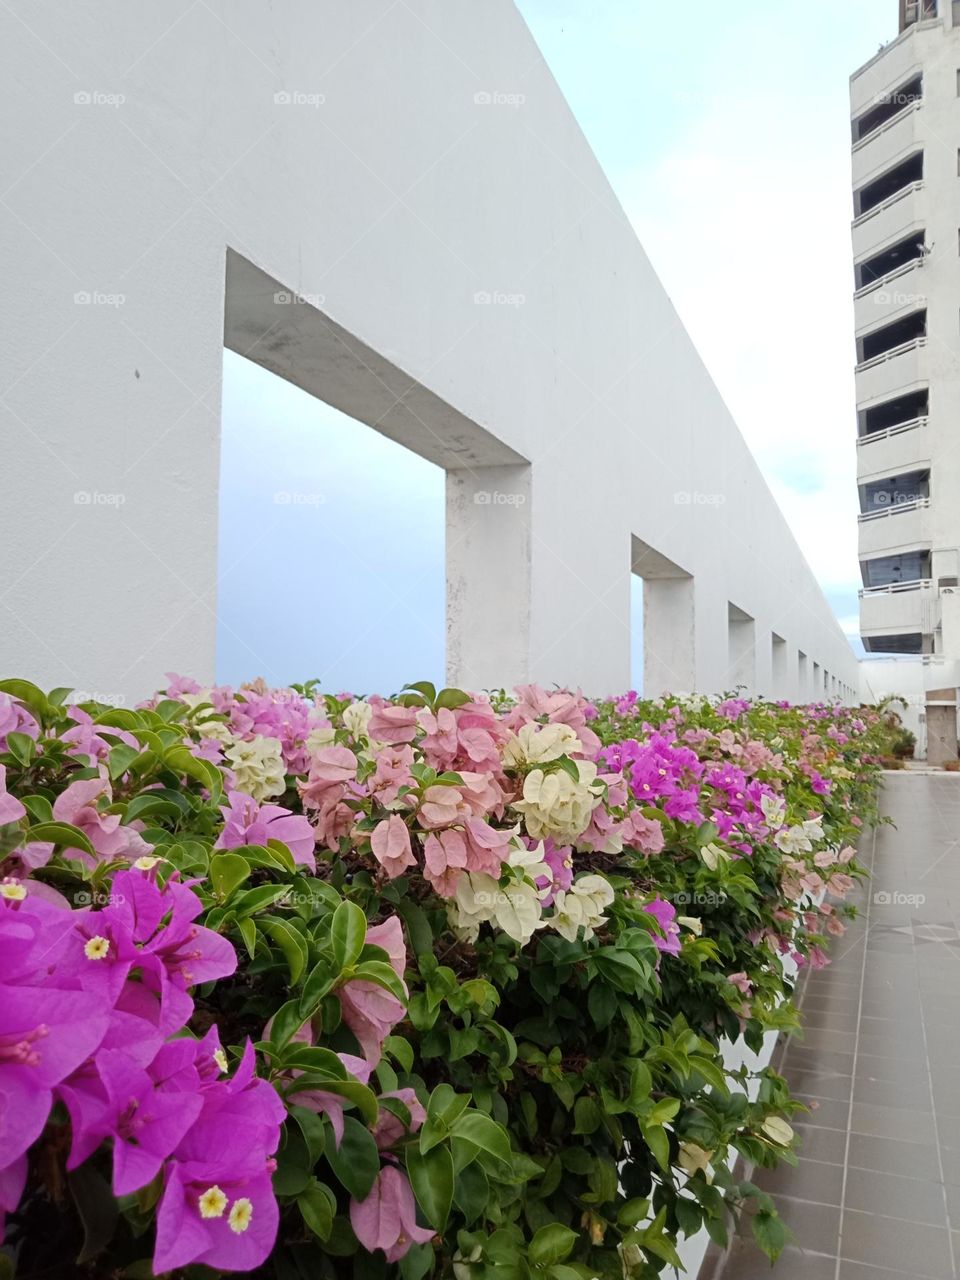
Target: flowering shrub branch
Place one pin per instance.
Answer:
(434, 984)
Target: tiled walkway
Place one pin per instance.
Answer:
(876, 1193)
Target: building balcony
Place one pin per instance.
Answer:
(888, 220)
(884, 375)
(898, 449)
(894, 64)
(884, 299)
(887, 145)
(901, 525)
(900, 607)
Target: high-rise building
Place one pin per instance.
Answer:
(905, 116)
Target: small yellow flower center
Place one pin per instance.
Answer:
(212, 1203)
(12, 891)
(240, 1215)
(98, 948)
(220, 1058)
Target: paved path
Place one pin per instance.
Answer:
(876, 1194)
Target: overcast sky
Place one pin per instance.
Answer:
(724, 131)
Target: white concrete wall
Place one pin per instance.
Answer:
(472, 287)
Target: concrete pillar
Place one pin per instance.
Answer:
(488, 576)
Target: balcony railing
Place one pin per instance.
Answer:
(897, 509)
(897, 196)
(890, 432)
(892, 354)
(887, 124)
(913, 265)
(895, 588)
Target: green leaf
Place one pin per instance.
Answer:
(633, 1211)
(356, 1162)
(227, 872)
(364, 1099)
(485, 1133)
(248, 932)
(377, 971)
(38, 807)
(21, 746)
(347, 934)
(61, 833)
(655, 1136)
(180, 760)
(451, 698)
(425, 688)
(551, 1244)
(287, 1021)
(311, 1127)
(770, 1233)
(317, 1206)
(586, 1116)
(291, 942)
(431, 1176)
(97, 1208)
(120, 759)
(29, 695)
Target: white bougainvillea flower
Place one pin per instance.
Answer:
(540, 744)
(774, 810)
(555, 804)
(581, 907)
(258, 767)
(693, 1159)
(713, 856)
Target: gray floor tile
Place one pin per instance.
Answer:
(898, 1197)
(808, 1180)
(888, 1242)
(902, 1123)
(746, 1262)
(815, 1143)
(908, 1159)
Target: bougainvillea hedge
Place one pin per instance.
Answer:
(315, 986)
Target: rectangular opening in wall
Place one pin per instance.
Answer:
(741, 649)
(778, 667)
(803, 675)
(665, 612)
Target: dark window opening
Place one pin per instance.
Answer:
(888, 184)
(887, 107)
(907, 566)
(891, 336)
(909, 642)
(916, 404)
(893, 492)
(898, 255)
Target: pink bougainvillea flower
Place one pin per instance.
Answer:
(445, 859)
(390, 842)
(387, 1218)
(11, 810)
(45, 1033)
(78, 806)
(369, 1011)
(665, 914)
(392, 724)
(85, 738)
(645, 834)
(741, 982)
(390, 1128)
(247, 822)
(15, 718)
(332, 1104)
